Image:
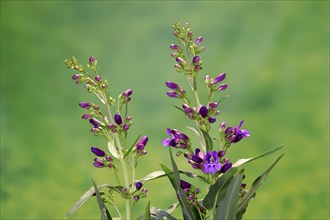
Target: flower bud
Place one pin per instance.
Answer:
(85, 116)
(125, 127)
(96, 123)
(172, 85)
(98, 164)
(223, 125)
(179, 60)
(212, 119)
(108, 158)
(199, 40)
(223, 87)
(76, 76)
(136, 197)
(86, 105)
(97, 151)
(98, 78)
(195, 59)
(203, 111)
(189, 34)
(138, 185)
(127, 93)
(118, 119)
(220, 78)
(174, 46)
(213, 105)
(172, 94)
(221, 153)
(91, 60)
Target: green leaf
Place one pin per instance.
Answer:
(105, 215)
(208, 140)
(130, 149)
(240, 162)
(252, 191)
(227, 208)
(210, 198)
(88, 194)
(222, 99)
(147, 214)
(186, 210)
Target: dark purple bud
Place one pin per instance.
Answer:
(226, 167)
(136, 197)
(98, 152)
(195, 59)
(203, 111)
(98, 78)
(172, 85)
(98, 164)
(86, 105)
(118, 119)
(213, 105)
(223, 125)
(127, 93)
(174, 46)
(75, 76)
(96, 123)
(172, 94)
(199, 40)
(103, 86)
(212, 119)
(126, 127)
(189, 34)
(220, 78)
(143, 141)
(191, 197)
(221, 153)
(223, 87)
(85, 116)
(179, 60)
(111, 126)
(202, 209)
(197, 67)
(108, 158)
(243, 185)
(138, 185)
(91, 60)
(110, 165)
(185, 185)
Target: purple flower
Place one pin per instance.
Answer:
(97, 151)
(98, 78)
(177, 139)
(223, 87)
(213, 105)
(142, 143)
(195, 59)
(211, 164)
(98, 164)
(118, 119)
(138, 185)
(203, 111)
(234, 135)
(226, 167)
(172, 85)
(174, 46)
(184, 184)
(212, 119)
(199, 40)
(172, 94)
(220, 78)
(86, 105)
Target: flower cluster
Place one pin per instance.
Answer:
(103, 159)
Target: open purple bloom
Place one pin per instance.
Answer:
(234, 135)
(211, 164)
(97, 151)
(177, 139)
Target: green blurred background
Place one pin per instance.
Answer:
(276, 55)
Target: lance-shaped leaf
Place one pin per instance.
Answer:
(186, 210)
(240, 162)
(147, 214)
(210, 198)
(208, 140)
(131, 148)
(251, 193)
(227, 208)
(85, 197)
(105, 215)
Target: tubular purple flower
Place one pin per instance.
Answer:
(97, 151)
(199, 40)
(172, 94)
(174, 46)
(223, 87)
(203, 111)
(195, 59)
(220, 78)
(211, 164)
(118, 119)
(172, 85)
(86, 105)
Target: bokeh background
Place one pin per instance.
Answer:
(276, 55)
